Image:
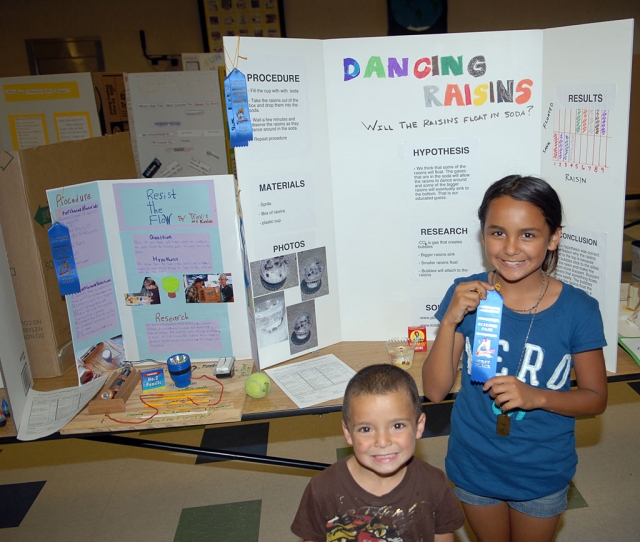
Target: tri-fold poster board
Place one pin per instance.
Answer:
(358, 193)
(371, 155)
(160, 270)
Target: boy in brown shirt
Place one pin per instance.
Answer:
(381, 492)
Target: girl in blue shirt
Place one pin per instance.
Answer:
(512, 451)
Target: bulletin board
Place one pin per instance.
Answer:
(257, 18)
(43, 109)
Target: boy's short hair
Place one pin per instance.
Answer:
(380, 379)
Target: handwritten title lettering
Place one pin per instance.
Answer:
(156, 214)
(499, 91)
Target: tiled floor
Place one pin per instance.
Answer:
(76, 490)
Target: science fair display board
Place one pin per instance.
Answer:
(42, 109)
(370, 157)
(160, 270)
(176, 123)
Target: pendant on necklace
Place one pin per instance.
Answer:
(503, 425)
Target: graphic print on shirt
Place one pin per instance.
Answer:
(370, 524)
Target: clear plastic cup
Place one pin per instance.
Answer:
(400, 352)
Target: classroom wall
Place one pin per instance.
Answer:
(354, 18)
(467, 16)
(173, 26)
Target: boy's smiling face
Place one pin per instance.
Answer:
(383, 431)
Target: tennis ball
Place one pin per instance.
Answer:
(257, 385)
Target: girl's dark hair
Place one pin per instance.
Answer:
(534, 191)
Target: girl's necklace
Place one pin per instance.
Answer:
(503, 423)
(543, 286)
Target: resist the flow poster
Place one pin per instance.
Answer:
(160, 268)
(373, 155)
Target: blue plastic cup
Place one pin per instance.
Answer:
(180, 369)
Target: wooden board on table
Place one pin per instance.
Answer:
(138, 417)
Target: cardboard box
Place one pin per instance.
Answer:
(111, 102)
(14, 365)
(24, 215)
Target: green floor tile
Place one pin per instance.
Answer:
(575, 499)
(233, 522)
(341, 453)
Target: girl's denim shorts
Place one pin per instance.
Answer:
(544, 507)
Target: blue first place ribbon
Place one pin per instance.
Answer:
(237, 104)
(487, 337)
(63, 260)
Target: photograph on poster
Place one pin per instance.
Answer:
(148, 295)
(150, 289)
(208, 288)
(271, 324)
(313, 273)
(136, 300)
(273, 274)
(100, 358)
(303, 328)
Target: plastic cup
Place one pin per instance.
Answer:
(400, 352)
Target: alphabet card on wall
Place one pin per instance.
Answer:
(169, 255)
(371, 155)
